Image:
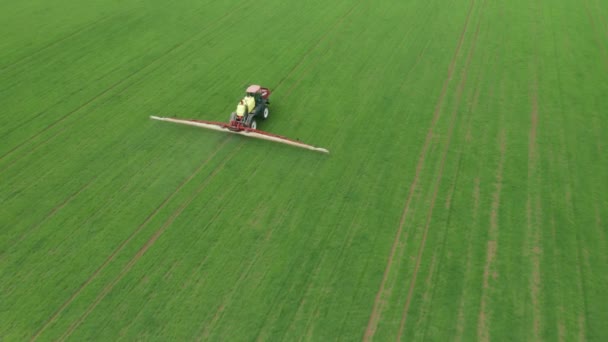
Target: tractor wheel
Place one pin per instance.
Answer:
(266, 112)
(254, 125)
(232, 116)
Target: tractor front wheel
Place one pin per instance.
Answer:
(254, 125)
(266, 112)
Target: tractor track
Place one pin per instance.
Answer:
(46, 110)
(454, 118)
(561, 326)
(571, 211)
(318, 43)
(122, 189)
(310, 68)
(149, 243)
(460, 320)
(533, 216)
(598, 34)
(190, 281)
(311, 277)
(315, 272)
(433, 273)
(124, 243)
(350, 235)
(51, 213)
(376, 311)
(276, 298)
(281, 220)
(492, 244)
(206, 330)
(218, 314)
(199, 35)
(419, 58)
(58, 102)
(598, 225)
(96, 212)
(81, 29)
(289, 91)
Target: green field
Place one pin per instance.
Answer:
(465, 196)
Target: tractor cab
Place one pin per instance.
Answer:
(259, 108)
(258, 93)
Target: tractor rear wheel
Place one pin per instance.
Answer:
(266, 112)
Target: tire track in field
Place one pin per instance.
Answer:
(268, 313)
(448, 203)
(561, 326)
(427, 295)
(219, 313)
(355, 220)
(96, 212)
(62, 100)
(571, 209)
(124, 243)
(598, 225)
(60, 40)
(350, 236)
(191, 280)
(377, 309)
(58, 102)
(602, 19)
(460, 320)
(148, 244)
(483, 333)
(533, 215)
(279, 223)
(452, 123)
(51, 213)
(476, 196)
(43, 143)
(206, 330)
(116, 84)
(124, 187)
(598, 34)
(324, 36)
(314, 274)
(310, 280)
(311, 67)
(561, 311)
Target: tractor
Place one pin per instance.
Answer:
(253, 105)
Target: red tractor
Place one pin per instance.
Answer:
(253, 105)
